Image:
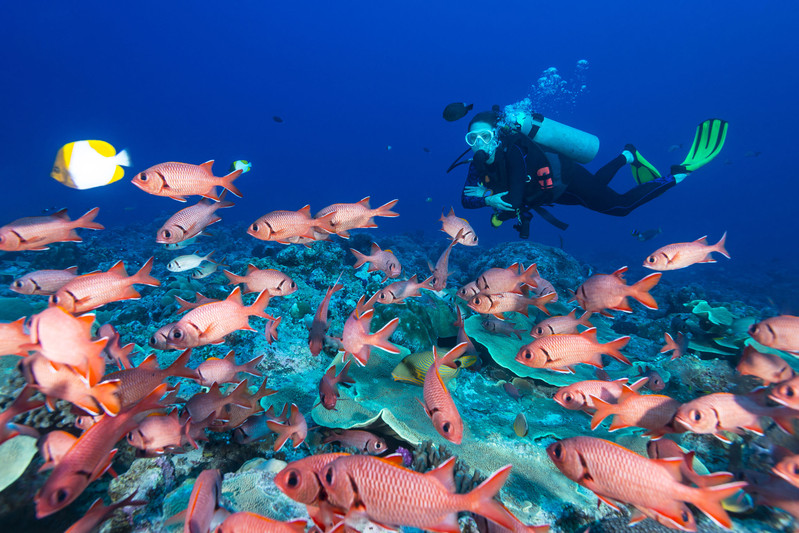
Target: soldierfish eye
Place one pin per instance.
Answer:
(795, 469)
(447, 427)
(254, 227)
(557, 451)
(568, 398)
(476, 301)
(143, 176)
(378, 445)
(293, 479)
(329, 475)
(55, 299)
(788, 391)
(651, 259)
(17, 284)
(167, 233)
(539, 331)
(176, 334)
(684, 516)
(527, 354)
(153, 341)
(696, 415)
(61, 496)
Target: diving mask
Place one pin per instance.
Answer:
(484, 136)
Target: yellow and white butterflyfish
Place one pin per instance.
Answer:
(88, 164)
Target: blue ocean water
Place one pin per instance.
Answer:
(360, 87)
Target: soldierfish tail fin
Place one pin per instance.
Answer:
(360, 259)
(379, 339)
(226, 182)
(343, 376)
(143, 276)
(481, 499)
(640, 291)
(385, 210)
(612, 349)
(180, 367)
(105, 395)
(584, 319)
(284, 433)
(258, 306)
(719, 246)
(637, 384)
(451, 356)
(709, 499)
(530, 275)
(270, 330)
(427, 284)
(670, 345)
(235, 279)
(87, 220)
(251, 367)
(541, 302)
(603, 410)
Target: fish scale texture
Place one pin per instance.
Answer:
(215, 320)
(94, 290)
(649, 411)
(186, 179)
(566, 350)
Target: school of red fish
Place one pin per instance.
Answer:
(63, 357)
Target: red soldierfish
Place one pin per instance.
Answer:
(246, 522)
(136, 383)
(441, 270)
(215, 370)
(318, 329)
(769, 367)
(185, 305)
(495, 280)
(158, 434)
(581, 395)
(357, 340)
(35, 233)
(609, 291)
(178, 180)
(504, 302)
(203, 405)
(328, 386)
(653, 412)
(295, 427)
(379, 260)
(561, 324)
(452, 224)
(22, 404)
(203, 509)
(210, 323)
(616, 474)
(685, 254)
(300, 479)
(398, 291)
(43, 282)
(364, 441)
(779, 332)
(275, 282)
(438, 402)
(468, 291)
(679, 345)
(13, 339)
(96, 289)
(396, 496)
(462, 336)
(287, 226)
(114, 352)
(90, 456)
(99, 513)
(351, 216)
(501, 327)
(160, 339)
(191, 221)
(787, 393)
(561, 352)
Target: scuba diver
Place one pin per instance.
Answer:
(524, 161)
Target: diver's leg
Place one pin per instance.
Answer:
(606, 173)
(585, 190)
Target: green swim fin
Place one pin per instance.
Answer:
(708, 142)
(643, 171)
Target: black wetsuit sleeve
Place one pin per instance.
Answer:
(472, 180)
(517, 177)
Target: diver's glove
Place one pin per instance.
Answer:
(477, 190)
(496, 201)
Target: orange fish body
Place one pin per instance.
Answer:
(90, 291)
(35, 233)
(185, 305)
(788, 469)
(787, 393)
(581, 395)
(468, 291)
(62, 382)
(328, 386)
(282, 226)
(295, 428)
(769, 367)
(90, 456)
(158, 434)
(235, 414)
(542, 286)
(99, 513)
(616, 474)
(43, 282)
(395, 496)
(215, 370)
(13, 339)
(203, 502)
(379, 260)
(495, 280)
(351, 216)
(246, 522)
(561, 324)
(441, 270)
(275, 282)
(22, 404)
(452, 224)
(160, 339)
(504, 302)
(563, 351)
(723, 411)
(653, 412)
(677, 346)
(136, 383)
(178, 180)
(779, 332)
(685, 254)
(299, 480)
(364, 441)
(438, 402)
(210, 323)
(203, 405)
(357, 340)
(54, 446)
(191, 221)
(609, 291)
(319, 325)
(400, 290)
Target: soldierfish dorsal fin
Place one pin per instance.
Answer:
(445, 474)
(305, 211)
(589, 334)
(620, 273)
(235, 296)
(251, 268)
(208, 167)
(118, 269)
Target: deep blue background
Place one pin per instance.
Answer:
(192, 81)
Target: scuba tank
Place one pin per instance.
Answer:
(560, 138)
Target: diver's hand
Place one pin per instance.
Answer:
(496, 201)
(478, 190)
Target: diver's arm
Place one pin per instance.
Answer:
(472, 180)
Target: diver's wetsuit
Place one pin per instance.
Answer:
(531, 178)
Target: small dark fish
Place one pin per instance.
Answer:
(646, 234)
(655, 382)
(456, 110)
(426, 149)
(277, 119)
(512, 391)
